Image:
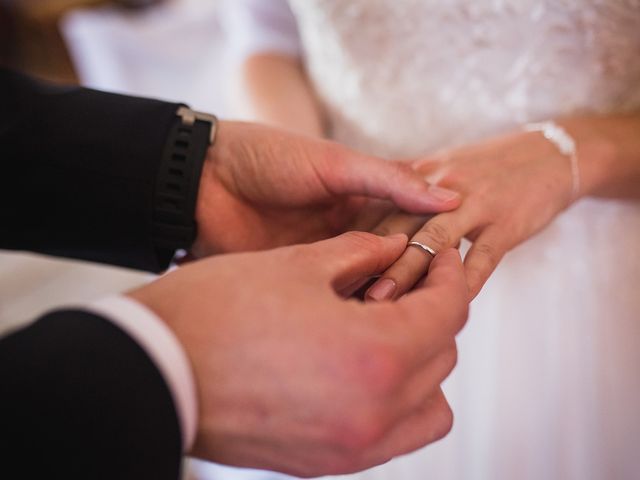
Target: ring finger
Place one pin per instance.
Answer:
(442, 231)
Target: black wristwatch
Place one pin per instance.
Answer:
(176, 190)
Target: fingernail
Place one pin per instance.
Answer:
(382, 290)
(442, 194)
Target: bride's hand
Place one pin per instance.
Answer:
(512, 187)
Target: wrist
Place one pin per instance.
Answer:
(218, 206)
(595, 151)
(565, 144)
(177, 182)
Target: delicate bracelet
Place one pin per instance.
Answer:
(565, 143)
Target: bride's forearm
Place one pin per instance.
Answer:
(275, 90)
(608, 149)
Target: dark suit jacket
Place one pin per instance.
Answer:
(78, 397)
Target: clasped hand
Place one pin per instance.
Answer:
(290, 374)
(280, 189)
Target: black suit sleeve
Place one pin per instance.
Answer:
(78, 169)
(80, 400)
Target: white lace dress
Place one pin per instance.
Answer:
(548, 382)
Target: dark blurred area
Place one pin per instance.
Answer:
(30, 39)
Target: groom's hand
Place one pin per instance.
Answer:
(291, 376)
(262, 188)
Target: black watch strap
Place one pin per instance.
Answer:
(176, 190)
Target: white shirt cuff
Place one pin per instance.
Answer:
(164, 349)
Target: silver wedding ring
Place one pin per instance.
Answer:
(423, 247)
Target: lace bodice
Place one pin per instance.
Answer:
(405, 77)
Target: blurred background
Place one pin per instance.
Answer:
(169, 49)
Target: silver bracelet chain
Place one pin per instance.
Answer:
(565, 143)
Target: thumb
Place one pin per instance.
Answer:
(356, 174)
(444, 294)
(355, 256)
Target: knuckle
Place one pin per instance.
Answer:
(299, 255)
(453, 314)
(461, 316)
(368, 245)
(402, 169)
(450, 357)
(444, 362)
(364, 241)
(402, 172)
(443, 420)
(435, 234)
(378, 369)
(489, 252)
(332, 160)
(457, 320)
(359, 432)
(451, 177)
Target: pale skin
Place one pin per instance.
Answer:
(291, 374)
(280, 189)
(512, 186)
(293, 377)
